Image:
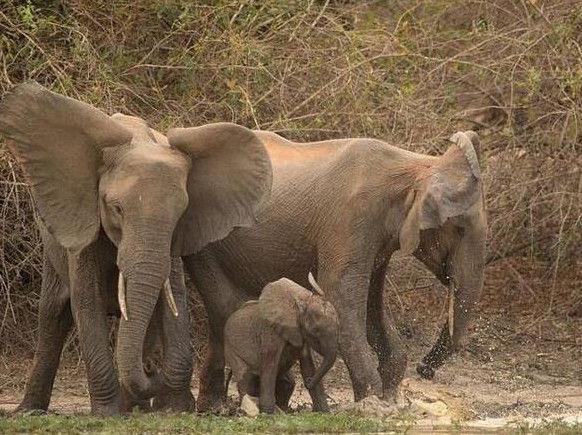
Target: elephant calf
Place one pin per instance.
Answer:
(265, 337)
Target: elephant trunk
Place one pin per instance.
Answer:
(327, 363)
(143, 276)
(466, 266)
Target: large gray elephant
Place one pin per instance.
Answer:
(342, 208)
(118, 204)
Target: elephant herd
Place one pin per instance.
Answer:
(125, 212)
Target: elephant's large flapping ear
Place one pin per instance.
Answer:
(58, 140)
(230, 177)
(280, 306)
(449, 188)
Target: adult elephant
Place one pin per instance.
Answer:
(117, 204)
(341, 208)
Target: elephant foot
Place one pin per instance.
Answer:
(319, 407)
(211, 404)
(425, 371)
(26, 411)
(106, 410)
(395, 397)
(128, 403)
(175, 401)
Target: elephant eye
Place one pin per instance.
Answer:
(116, 208)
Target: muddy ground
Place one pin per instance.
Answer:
(522, 361)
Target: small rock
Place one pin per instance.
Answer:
(250, 405)
(373, 406)
(438, 408)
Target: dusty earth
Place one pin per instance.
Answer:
(522, 361)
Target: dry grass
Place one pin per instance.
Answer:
(411, 72)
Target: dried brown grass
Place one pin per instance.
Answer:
(411, 72)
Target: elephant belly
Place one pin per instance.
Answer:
(251, 263)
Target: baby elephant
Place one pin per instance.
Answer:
(264, 338)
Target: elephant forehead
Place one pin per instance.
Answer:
(150, 157)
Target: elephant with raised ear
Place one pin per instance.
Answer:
(118, 203)
(264, 338)
(342, 208)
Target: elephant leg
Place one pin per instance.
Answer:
(178, 354)
(270, 357)
(248, 384)
(383, 336)
(285, 385)
(317, 393)
(88, 307)
(54, 323)
(220, 299)
(346, 283)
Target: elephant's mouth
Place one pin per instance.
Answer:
(121, 297)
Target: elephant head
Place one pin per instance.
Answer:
(154, 197)
(445, 227)
(303, 319)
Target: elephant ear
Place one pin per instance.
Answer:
(57, 140)
(229, 178)
(280, 305)
(449, 188)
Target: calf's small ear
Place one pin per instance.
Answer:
(280, 306)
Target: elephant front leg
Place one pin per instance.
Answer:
(270, 357)
(346, 287)
(317, 391)
(89, 311)
(212, 393)
(54, 323)
(178, 353)
(217, 293)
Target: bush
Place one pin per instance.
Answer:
(409, 72)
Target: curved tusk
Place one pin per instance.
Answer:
(121, 296)
(170, 297)
(315, 285)
(451, 308)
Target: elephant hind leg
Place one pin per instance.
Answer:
(384, 337)
(54, 323)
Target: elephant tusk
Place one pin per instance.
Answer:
(451, 308)
(121, 296)
(170, 297)
(315, 285)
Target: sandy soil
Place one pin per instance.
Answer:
(522, 361)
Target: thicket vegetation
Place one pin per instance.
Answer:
(410, 72)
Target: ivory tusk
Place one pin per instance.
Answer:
(121, 296)
(451, 308)
(314, 284)
(170, 297)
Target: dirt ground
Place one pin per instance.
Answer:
(522, 361)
